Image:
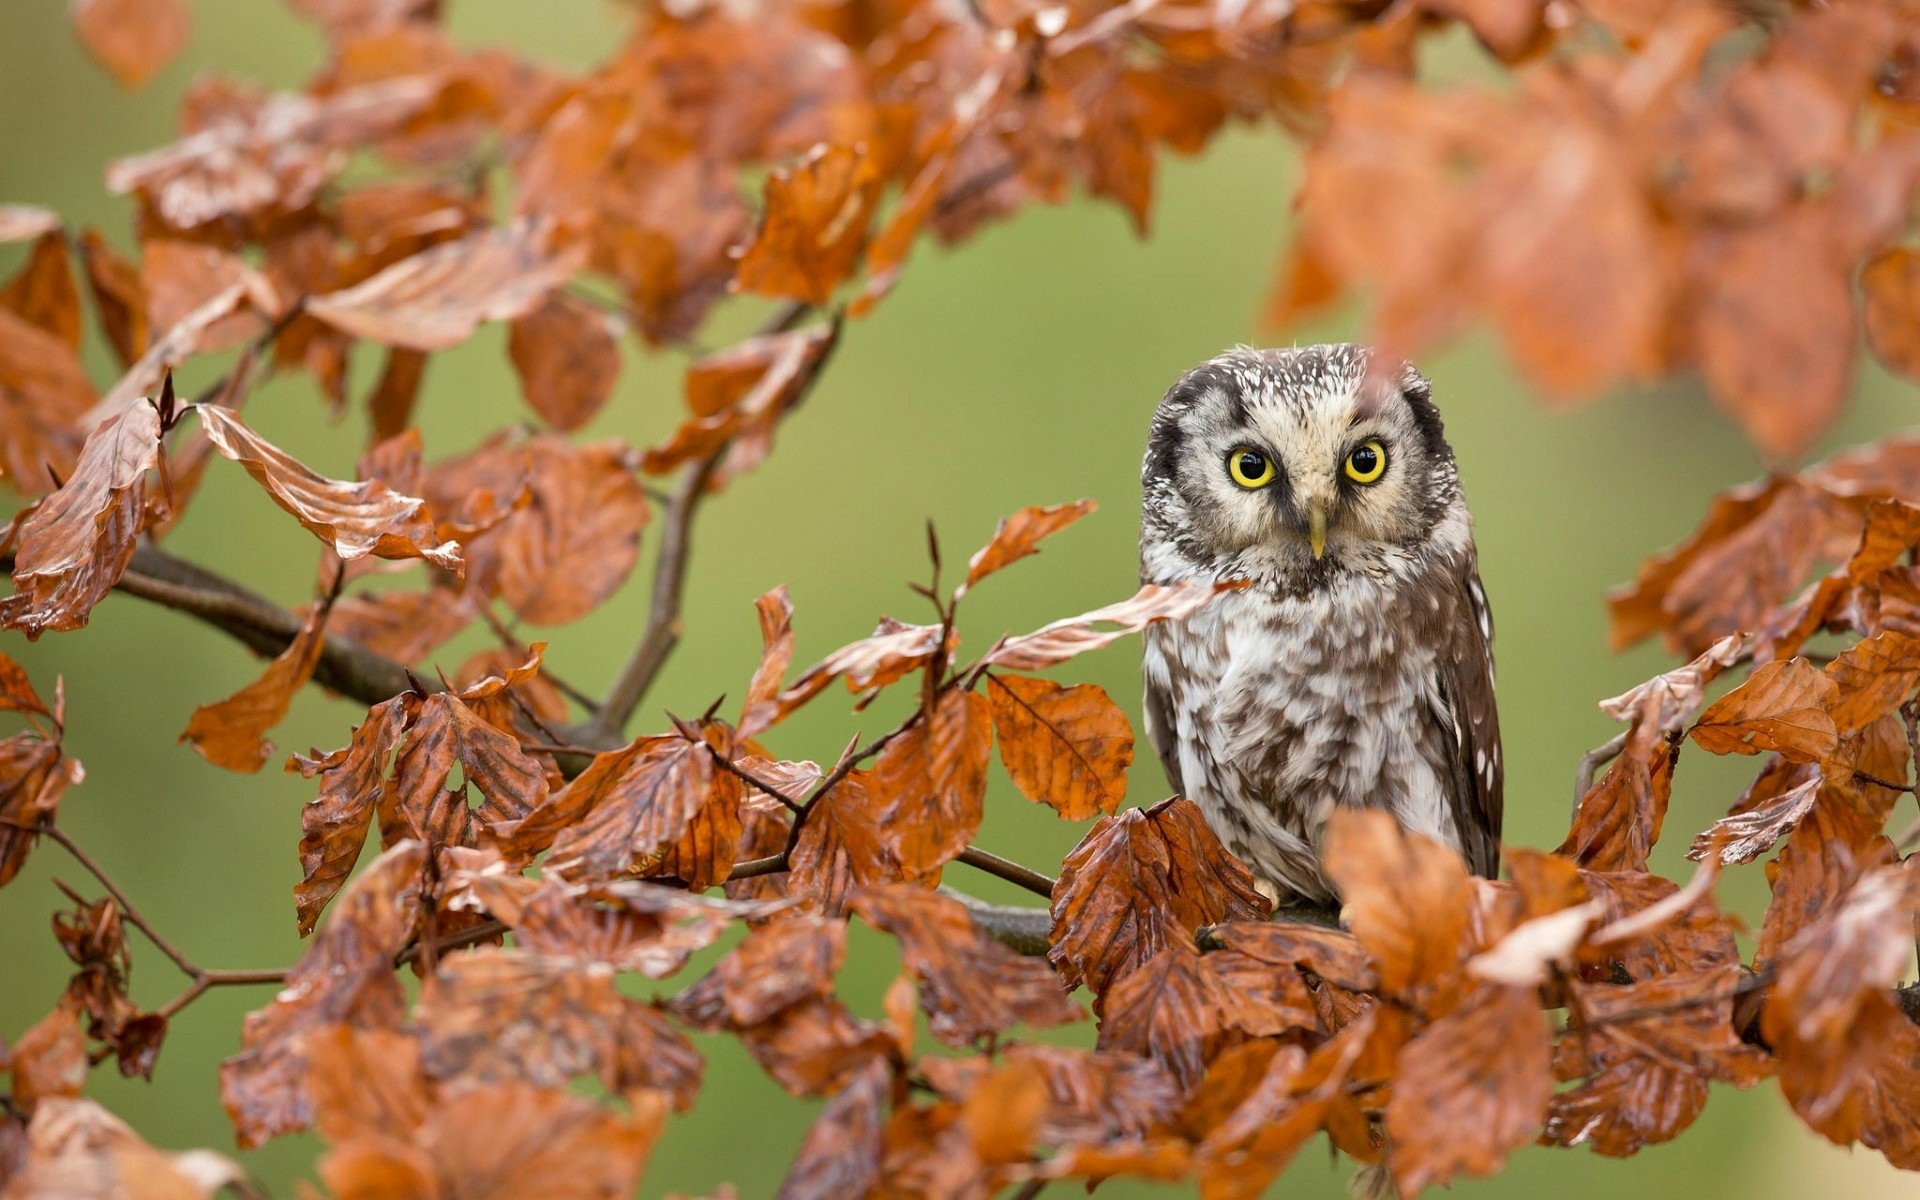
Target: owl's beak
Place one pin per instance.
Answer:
(1317, 526)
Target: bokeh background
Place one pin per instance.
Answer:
(1020, 369)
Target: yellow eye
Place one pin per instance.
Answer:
(1250, 468)
(1367, 462)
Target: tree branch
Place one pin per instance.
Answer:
(662, 631)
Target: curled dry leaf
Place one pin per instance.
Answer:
(1020, 535)
(844, 843)
(814, 225)
(231, 733)
(1139, 882)
(869, 664)
(334, 824)
(1783, 707)
(1643, 1055)
(76, 1148)
(1053, 644)
(626, 810)
(1406, 899)
(567, 355)
(1066, 747)
(34, 773)
(1471, 1088)
(761, 708)
(345, 977)
(437, 298)
(75, 544)
(355, 519)
(43, 294)
(493, 1016)
(929, 784)
(133, 39)
(971, 986)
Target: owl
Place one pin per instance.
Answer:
(1355, 669)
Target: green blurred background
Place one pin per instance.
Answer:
(1020, 369)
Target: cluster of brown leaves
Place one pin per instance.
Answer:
(1659, 192)
(1662, 191)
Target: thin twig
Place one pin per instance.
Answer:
(507, 639)
(127, 907)
(1590, 764)
(662, 631)
(748, 777)
(1007, 869)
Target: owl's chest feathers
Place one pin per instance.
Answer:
(1279, 703)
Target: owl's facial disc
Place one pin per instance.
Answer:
(1295, 462)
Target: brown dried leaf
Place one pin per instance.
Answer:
(334, 823)
(133, 39)
(761, 708)
(814, 225)
(34, 773)
(1471, 1087)
(1065, 747)
(1140, 882)
(43, 293)
(1406, 898)
(576, 539)
(494, 1016)
(971, 986)
(75, 544)
(437, 298)
(231, 733)
(355, 519)
(345, 977)
(49, 1060)
(1053, 644)
(625, 811)
(1782, 707)
(869, 664)
(1020, 535)
(567, 355)
(1644, 1054)
(929, 784)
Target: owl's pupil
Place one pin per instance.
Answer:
(1252, 465)
(1364, 460)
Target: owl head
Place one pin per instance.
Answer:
(1296, 463)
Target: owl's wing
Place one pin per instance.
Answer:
(1157, 708)
(1473, 741)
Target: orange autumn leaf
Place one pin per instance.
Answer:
(1782, 707)
(1020, 535)
(355, 519)
(435, 299)
(814, 225)
(1068, 748)
(231, 733)
(1139, 882)
(75, 544)
(133, 39)
(567, 355)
